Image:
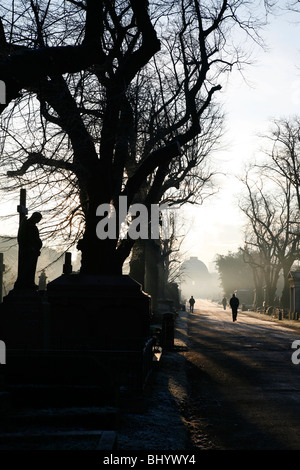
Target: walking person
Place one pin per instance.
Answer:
(192, 302)
(234, 303)
(224, 302)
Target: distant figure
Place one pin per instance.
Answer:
(30, 245)
(234, 303)
(224, 302)
(192, 302)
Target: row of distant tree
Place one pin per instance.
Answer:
(271, 204)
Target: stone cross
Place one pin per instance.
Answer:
(23, 211)
(2, 269)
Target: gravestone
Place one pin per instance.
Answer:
(108, 316)
(98, 312)
(67, 267)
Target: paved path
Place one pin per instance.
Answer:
(243, 388)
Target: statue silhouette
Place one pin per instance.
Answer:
(30, 245)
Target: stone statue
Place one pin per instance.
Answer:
(30, 245)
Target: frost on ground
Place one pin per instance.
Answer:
(160, 427)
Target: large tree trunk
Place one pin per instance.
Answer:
(99, 257)
(271, 286)
(137, 262)
(285, 296)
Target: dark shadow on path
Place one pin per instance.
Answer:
(243, 389)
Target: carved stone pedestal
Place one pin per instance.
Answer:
(108, 315)
(98, 312)
(101, 318)
(24, 318)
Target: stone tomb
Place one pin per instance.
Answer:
(98, 312)
(24, 318)
(104, 317)
(85, 312)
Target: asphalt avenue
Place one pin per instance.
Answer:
(243, 386)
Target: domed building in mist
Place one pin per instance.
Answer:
(196, 280)
(195, 267)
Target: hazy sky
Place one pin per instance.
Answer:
(274, 92)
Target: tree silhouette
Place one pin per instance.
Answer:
(113, 98)
(272, 206)
(234, 273)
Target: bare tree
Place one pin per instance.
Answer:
(283, 152)
(124, 110)
(234, 272)
(271, 244)
(254, 259)
(170, 250)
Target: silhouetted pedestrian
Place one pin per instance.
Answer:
(234, 303)
(224, 302)
(192, 303)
